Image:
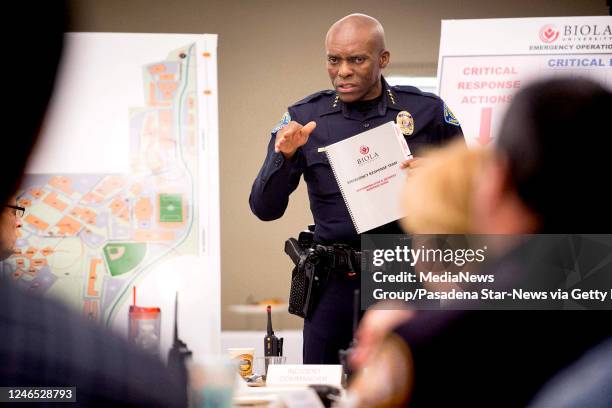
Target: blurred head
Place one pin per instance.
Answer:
(551, 162)
(438, 194)
(30, 92)
(29, 97)
(356, 55)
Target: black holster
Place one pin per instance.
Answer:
(310, 274)
(314, 263)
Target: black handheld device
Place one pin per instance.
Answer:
(271, 342)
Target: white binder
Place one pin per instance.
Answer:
(366, 167)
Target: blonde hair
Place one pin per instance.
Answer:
(438, 194)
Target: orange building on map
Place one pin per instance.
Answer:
(36, 222)
(62, 183)
(53, 201)
(68, 226)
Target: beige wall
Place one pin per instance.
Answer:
(270, 55)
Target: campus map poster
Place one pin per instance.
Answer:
(123, 189)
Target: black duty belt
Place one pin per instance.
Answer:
(339, 258)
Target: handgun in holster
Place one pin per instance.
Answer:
(309, 276)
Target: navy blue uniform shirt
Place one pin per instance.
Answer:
(434, 124)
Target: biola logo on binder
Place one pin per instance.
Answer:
(367, 158)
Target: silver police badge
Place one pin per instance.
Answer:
(405, 122)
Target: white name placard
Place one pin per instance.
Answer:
(293, 374)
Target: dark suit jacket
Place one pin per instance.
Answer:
(42, 343)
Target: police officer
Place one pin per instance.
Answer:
(361, 100)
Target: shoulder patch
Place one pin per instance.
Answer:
(282, 123)
(314, 97)
(449, 117)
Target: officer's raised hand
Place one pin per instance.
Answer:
(292, 136)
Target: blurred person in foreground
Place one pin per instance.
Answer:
(552, 141)
(438, 198)
(43, 343)
(585, 383)
(445, 184)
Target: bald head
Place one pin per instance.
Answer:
(356, 55)
(359, 26)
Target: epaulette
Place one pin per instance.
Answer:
(315, 96)
(413, 90)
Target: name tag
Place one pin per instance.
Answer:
(293, 374)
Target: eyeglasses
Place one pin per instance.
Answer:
(19, 211)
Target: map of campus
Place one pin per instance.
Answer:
(87, 238)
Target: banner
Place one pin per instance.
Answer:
(483, 63)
